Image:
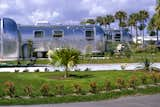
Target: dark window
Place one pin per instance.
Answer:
(89, 35)
(58, 34)
(117, 37)
(38, 34)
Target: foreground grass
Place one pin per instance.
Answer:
(53, 79)
(56, 78)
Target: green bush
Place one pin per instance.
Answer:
(120, 83)
(93, 87)
(45, 90)
(77, 89)
(133, 82)
(107, 85)
(155, 77)
(10, 88)
(144, 79)
(60, 89)
(28, 90)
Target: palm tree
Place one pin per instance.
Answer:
(158, 6)
(90, 21)
(100, 20)
(132, 22)
(157, 17)
(109, 19)
(65, 57)
(143, 16)
(152, 26)
(121, 16)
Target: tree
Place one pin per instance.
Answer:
(121, 16)
(157, 18)
(143, 16)
(133, 21)
(65, 57)
(90, 21)
(109, 19)
(100, 20)
(152, 27)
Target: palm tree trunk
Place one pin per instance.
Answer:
(131, 31)
(143, 37)
(136, 34)
(66, 72)
(157, 35)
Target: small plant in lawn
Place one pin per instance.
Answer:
(120, 83)
(123, 66)
(144, 79)
(45, 90)
(93, 87)
(10, 88)
(132, 82)
(107, 85)
(28, 90)
(77, 89)
(60, 89)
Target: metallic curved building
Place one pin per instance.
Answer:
(17, 41)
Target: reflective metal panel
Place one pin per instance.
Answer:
(9, 39)
(73, 36)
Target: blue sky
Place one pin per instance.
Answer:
(68, 11)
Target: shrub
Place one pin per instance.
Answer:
(44, 90)
(120, 83)
(93, 87)
(10, 88)
(77, 89)
(60, 89)
(155, 77)
(36, 70)
(25, 70)
(46, 70)
(28, 90)
(107, 85)
(132, 82)
(56, 70)
(16, 70)
(87, 69)
(144, 79)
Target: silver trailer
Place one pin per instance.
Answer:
(21, 41)
(85, 38)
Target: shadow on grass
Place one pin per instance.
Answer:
(81, 76)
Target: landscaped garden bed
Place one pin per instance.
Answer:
(52, 87)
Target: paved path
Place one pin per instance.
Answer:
(136, 101)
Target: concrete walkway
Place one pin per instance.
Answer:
(134, 101)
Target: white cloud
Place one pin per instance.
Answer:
(39, 15)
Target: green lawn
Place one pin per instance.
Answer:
(56, 78)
